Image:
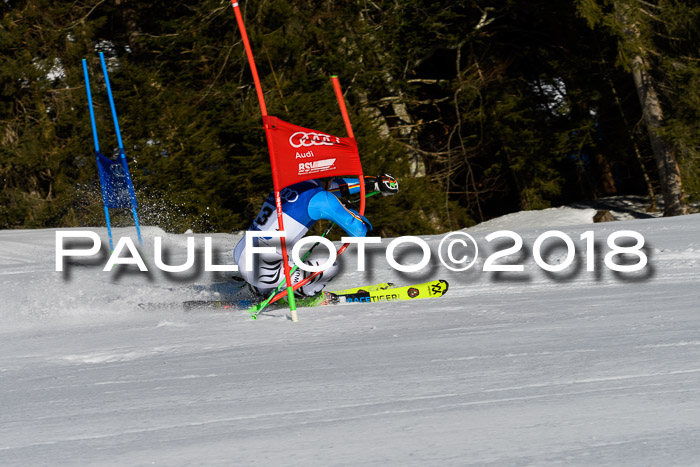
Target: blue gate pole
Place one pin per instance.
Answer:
(122, 153)
(97, 152)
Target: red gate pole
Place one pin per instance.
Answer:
(249, 53)
(341, 104)
(348, 127)
(275, 180)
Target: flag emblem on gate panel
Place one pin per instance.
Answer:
(326, 165)
(303, 154)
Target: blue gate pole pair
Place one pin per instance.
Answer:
(122, 153)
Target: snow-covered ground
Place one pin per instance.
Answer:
(532, 368)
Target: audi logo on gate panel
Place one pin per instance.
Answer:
(303, 139)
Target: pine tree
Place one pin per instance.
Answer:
(638, 27)
(41, 156)
(479, 108)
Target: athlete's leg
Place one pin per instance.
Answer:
(265, 272)
(317, 283)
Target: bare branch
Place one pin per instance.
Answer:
(485, 20)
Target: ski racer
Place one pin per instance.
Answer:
(303, 204)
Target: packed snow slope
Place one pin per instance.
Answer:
(570, 368)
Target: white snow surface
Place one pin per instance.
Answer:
(572, 368)
(552, 217)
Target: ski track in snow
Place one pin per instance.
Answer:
(574, 368)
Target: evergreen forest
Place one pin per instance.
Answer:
(478, 107)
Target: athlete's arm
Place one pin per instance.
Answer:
(345, 187)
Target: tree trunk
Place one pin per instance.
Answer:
(405, 124)
(605, 176)
(637, 152)
(133, 31)
(415, 161)
(669, 173)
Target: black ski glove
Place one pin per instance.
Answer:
(385, 184)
